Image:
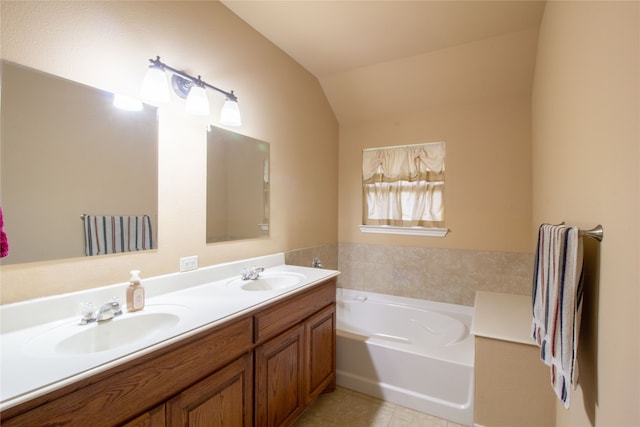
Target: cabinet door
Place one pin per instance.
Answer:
(279, 379)
(320, 359)
(222, 399)
(153, 418)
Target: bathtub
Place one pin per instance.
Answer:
(411, 352)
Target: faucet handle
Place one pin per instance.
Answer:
(255, 272)
(88, 312)
(251, 274)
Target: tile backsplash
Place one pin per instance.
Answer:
(444, 275)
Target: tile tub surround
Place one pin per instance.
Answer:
(442, 275)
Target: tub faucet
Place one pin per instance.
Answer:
(107, 311)
(251, 274)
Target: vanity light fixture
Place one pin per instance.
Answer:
(197, 101)
(155, 90)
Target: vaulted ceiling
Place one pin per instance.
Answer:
(382, 58)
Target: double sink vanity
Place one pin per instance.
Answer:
(209, 348)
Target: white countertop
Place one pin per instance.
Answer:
(504, 317)
(203, 297)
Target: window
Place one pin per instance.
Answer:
(403, 189)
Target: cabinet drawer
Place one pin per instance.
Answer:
(279, 317)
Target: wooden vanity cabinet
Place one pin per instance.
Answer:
(260, 369)
(295, 366)
(222, 399)
(156, 417)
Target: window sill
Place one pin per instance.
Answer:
(411, 231)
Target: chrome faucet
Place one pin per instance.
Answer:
(316, 263)
(251, 274)
(107, 311)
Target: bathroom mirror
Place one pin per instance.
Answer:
(67, 151)
(237, 186)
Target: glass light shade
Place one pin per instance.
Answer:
(155, 88)
(197, 101)
(127, 103)
(230, 114)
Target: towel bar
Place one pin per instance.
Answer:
(596, 232)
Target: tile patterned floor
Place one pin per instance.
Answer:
(347, 408)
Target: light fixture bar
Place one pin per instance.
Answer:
(196, 80)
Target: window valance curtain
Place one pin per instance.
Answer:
(423, 162)
(403, 186)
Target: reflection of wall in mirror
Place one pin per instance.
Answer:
(246, 207)
(236, 197)
(216, 190)
(67, 151)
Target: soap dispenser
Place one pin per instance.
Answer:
(135, 292)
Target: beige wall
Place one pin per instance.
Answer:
(586, 171)
(107, 45)
(488, 173)
(493, 67)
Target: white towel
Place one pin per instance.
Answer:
(557, 304)
(115, 234)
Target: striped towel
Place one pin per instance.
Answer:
(557, 303)
(115, 234)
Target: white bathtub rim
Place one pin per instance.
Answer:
(460, 352)
(442, 307)
(463, 361)
(464, 318)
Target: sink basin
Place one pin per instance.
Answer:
(269, 282)
(116, 333)
(121, 331)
